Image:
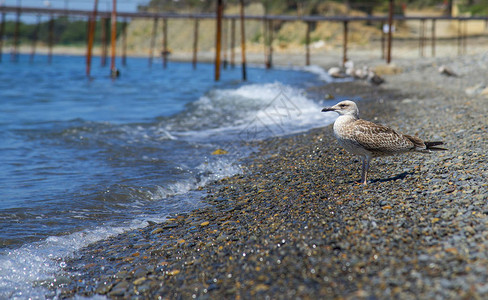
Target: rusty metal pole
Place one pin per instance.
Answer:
(195, 43)
(307, 45)
(51, 40)
(153, 41)
(34, 39)
(124, 43)
(103, 23)
(459, 37)
(243, 42)
(344, 53)
(218, 39)
(382, 41)
(465, 40)
(114, 73)
(421, 38)
(224, 43)
(433, 37)
(270, 45)
(2, 31)
(390, 23)
(232, 42)
(14, 55)
(165, 43)
(91, 36)
(265, 42)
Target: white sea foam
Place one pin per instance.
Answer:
(25, 272)
(254, 111)
(209, 171)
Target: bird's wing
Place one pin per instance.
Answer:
(376, 137)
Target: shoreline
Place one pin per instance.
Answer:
(295, 225)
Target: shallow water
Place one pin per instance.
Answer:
(83, 159)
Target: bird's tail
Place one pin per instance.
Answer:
(433, 146)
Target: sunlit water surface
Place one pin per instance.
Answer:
(84, 159)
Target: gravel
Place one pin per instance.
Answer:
(296, 224)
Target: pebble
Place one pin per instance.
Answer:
(139, 281)
(103, 288)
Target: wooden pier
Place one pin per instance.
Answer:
(221, 21)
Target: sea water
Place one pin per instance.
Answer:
(82, 159)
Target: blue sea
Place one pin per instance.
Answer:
(83, 159)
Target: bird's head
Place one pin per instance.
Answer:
(346, 107)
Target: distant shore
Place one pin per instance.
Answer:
(296, 225)
(362, 54)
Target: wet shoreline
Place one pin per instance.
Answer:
(296, 225)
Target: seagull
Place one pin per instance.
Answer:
(349, 65)
(374, 78)
(361, 73)
(369, 140)
(446, 71)
(364, 73)
(336, 72)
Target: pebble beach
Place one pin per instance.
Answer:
(297, 225)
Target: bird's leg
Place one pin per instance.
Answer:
(364, 171)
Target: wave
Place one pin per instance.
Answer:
(161, 160)
(34, 270)
(27, 272)
(253, 111)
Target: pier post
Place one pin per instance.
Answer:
(224, 43)
(14, 55)
(421, 37)
(307, 45)
(459, 37)
(270, 44)
(91, 36)
(382, 41)
(165, 43)
(344, 48)
(243, 42)
(2, 31)
(232, 42)
(218, 39)
(114, 73)
(50, 40)
(390, 24)
(465, 40)
(34, 39)
(433, 37)
(265, 42)
(103, 23)
(124, 43)
(153, 40)
(195, 43)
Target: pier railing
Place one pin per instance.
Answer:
(386, 37)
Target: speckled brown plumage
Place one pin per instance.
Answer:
(379, 139)
(368, 140)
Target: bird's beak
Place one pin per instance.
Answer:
(330, 108)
